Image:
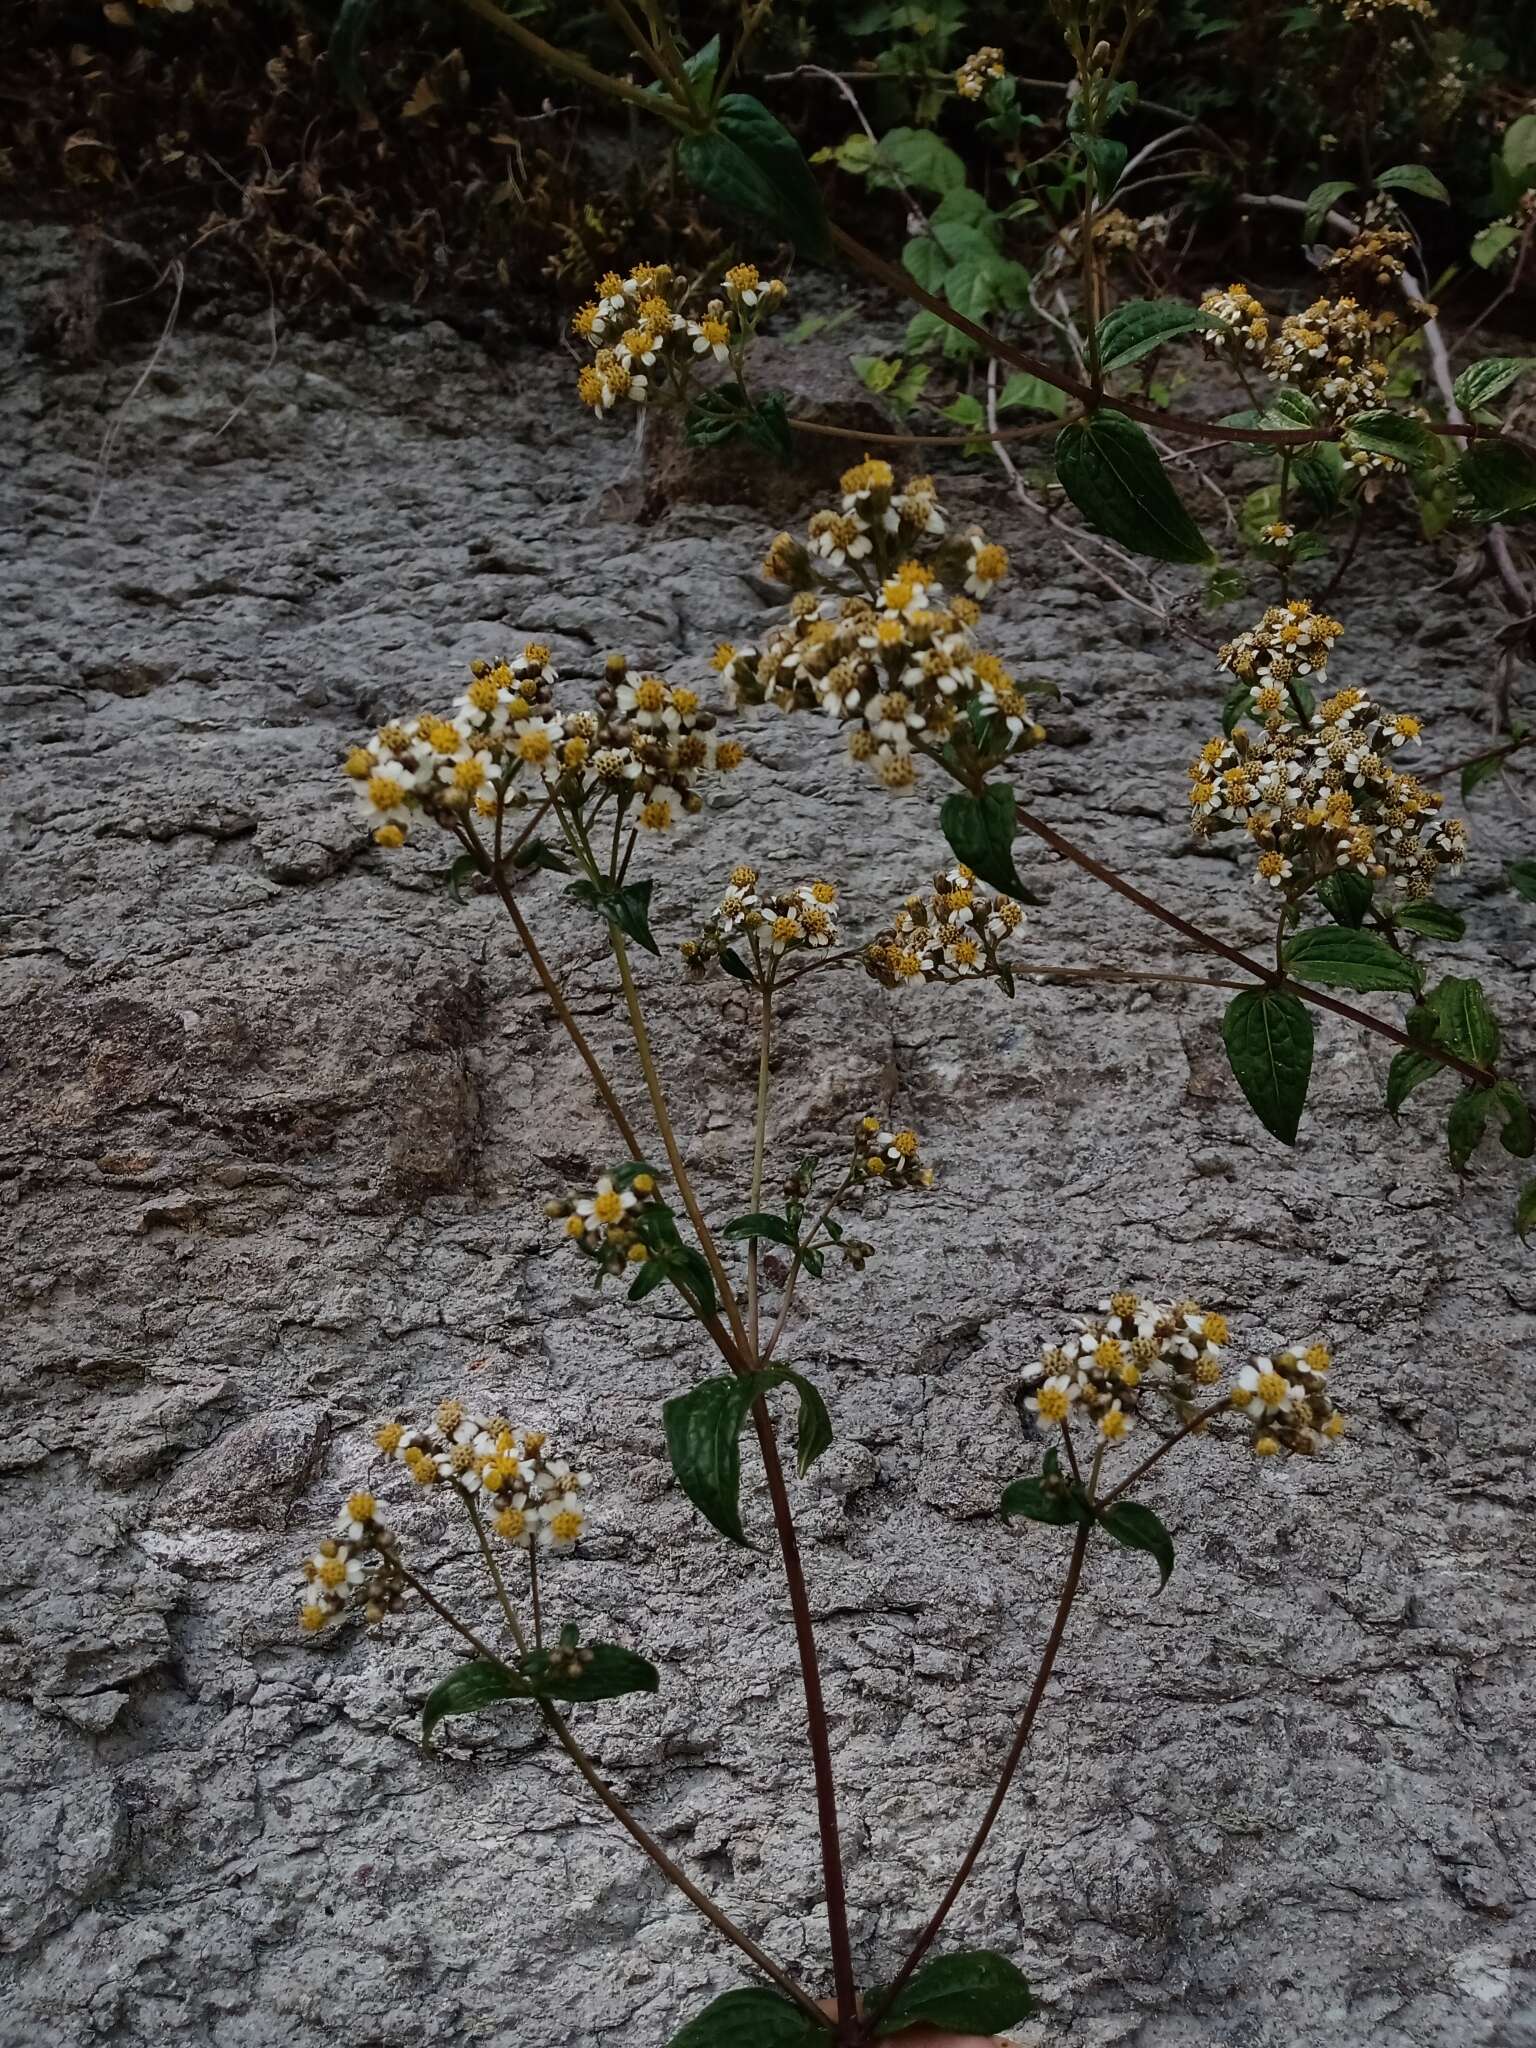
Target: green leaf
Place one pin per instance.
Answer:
(607, 1672)
(653, 1274)
(1518, 1135)
(916, 156)
(734, 965)
(627, 908)
(1346, 895)
(469, 1690)
(749, 163)
(1476, 773)
(1407, 1071)
(1480, 383)
(1383, 432)
(980, 831)
(1268, 1036)
(725, 413)
(1319, 200)
(1489, 245)
(1466, 1123)
(1033, 394)
(1133, 330)
(1139, 1529)
(1320, 474)
(1434, 920)
(750, 2019)
(975, 1992)
(538, 853)
(1521, 877)
(1455, 1014)
(1517, 152)
(1049, 1498)
(1413, 178)
(923, 259)
(1499, 477)
(1525, 1209)
(703, 1428)
(761, 1223)
(1346, 959)
(1111, 472)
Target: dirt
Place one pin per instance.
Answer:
(280, 1118)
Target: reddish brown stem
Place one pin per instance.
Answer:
(930, 1933)
(1209, 943)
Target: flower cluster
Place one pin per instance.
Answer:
(954, 934)
(978, 72)
(895, 659)
(354, 1567)
(1286, 1399)
(890, 1158)
(646, 743)
(1384, 10)
(1315, 789)
(1112, 1363)
(772, 922)
(646, 344)
(532, 1497)
(608, 1226)
(1105, 1369)
(1335, 351)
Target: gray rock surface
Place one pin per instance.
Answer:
(278, 1122)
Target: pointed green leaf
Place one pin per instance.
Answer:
(1398, 434)
(1455, 1014)
(1491, 242)
(1466, 1123)
(469, 1690)
(703, 1429)
(538, 853)
(917, 157)
(749, 163)
(1413, 178)
(1480, 383)
(1433, 920)
(762, 1223)
(603, 1671)
(1346, 959)
(1346, 895)
(1499, 477)
(1407, 1071)
(1033, 394)
(981, 831)
(1517, 1134)
(1112, 474)
(752, 2018)
(975, 1992)
(1521, 877)
(626, 907)
(1139, 1529)
(1268, 1036)
(1319, 200)
(1135, 329)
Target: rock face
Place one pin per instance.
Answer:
(279, 1118)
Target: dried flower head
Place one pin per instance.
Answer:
(978, 72)
(889, 1158)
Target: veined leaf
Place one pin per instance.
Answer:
(748, 162)
(469, 1690)
(1499, 477)
(1344, 959)
(754, 2018)
(1480, 383)
(1133, 330)
(703, 1430)
(975, 1992)
(981, 832)
(1139, 1529)
(1413, 178)
(1268, 1036)
(1111, 472)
